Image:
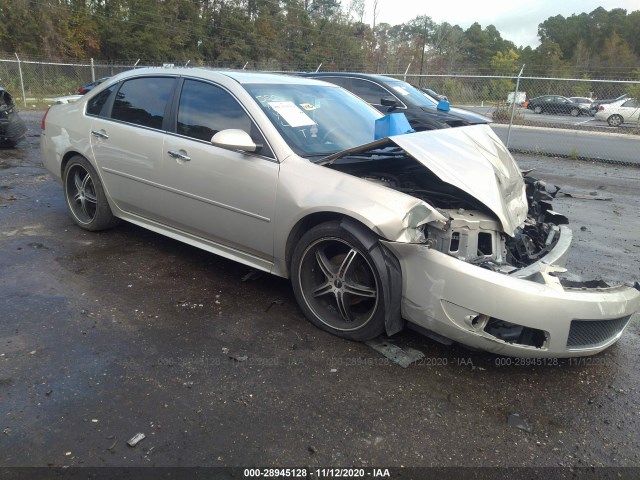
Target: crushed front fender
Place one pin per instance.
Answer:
(532, 316)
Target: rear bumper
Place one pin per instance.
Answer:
(482, 308)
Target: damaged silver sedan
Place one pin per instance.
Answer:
(292, 176)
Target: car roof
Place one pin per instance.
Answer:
(240, 76)
(367, 76)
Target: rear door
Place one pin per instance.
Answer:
(127, 136)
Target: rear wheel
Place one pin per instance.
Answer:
(85, 196)
(336, 283)
(537, 109)
(615, 120)
(575, 112)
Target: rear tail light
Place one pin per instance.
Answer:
(601, 108)
(44, 119)
(82, 91)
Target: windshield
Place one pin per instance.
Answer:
(316, 120)
(410, 94)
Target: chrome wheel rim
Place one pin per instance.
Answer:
(338, 284)
(81, 194)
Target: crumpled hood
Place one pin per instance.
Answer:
(472, 159)
(476, 161)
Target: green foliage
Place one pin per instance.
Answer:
(505, 63)
(301, 34)
(633, 90)
(582, 89)
(499, 89)
(502, 113)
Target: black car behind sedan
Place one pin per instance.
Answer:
(557, 105)
(390, 95)
(12, 128)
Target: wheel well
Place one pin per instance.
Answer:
(307, 223)
(65, 159)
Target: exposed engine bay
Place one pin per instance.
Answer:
(472, 232)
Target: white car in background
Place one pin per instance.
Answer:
(622, 111)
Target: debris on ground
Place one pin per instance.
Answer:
(7, 431)
(252, 275)
(516, 421)
(403, 357)
(239, 358)
(590, 196)
(113, 445)
(137, 438)
(277, 301)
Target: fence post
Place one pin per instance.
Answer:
(24, 97)
(93, 71)
(513, 105)
(407, 71)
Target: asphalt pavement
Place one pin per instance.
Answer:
(615, 147)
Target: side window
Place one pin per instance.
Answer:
(205, 109)
(368, 91)
(344, 82)
(96, 105)
(142, 101)
(630, 104)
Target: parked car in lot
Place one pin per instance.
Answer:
(391, 95)
(595, 106)
(282, 173)
(433, 94)
(90, 86)
(557, 105)
(12, 128)
(584, 101)
(622, 111)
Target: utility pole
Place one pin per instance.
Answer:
(424, 45)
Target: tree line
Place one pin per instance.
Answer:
(304, 34)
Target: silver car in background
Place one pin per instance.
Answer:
(284, 174)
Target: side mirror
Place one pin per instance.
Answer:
(389, 101)
(443, 105)
(234, 139)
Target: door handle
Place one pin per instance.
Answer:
(179, 156)
(100, 134)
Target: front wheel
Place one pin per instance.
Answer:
(575, 112)
(85, 196)
(615, 120)
(336, 283)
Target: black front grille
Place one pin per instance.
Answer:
(591, 333)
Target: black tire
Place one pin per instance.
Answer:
(85, 196)
(336, 283)
(574, 112)
(615, 120)
(537, 109)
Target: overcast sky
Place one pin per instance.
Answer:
(516, 20)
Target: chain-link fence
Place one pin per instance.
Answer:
(543, 102)
(568, 114)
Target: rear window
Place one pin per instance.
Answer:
(142, 101)
(95, 106)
